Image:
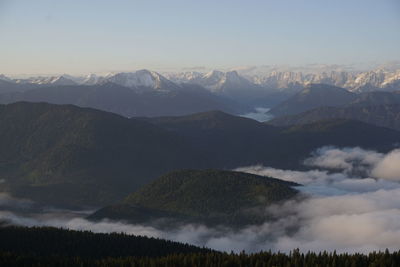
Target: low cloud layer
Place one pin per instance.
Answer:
(348, 160)
(7, 201)
(353, 205)
(345, 212)
(260, 114)
(388, 167)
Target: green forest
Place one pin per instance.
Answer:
(46, 246)
(208, 196)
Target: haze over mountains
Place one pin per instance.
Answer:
(312, 96)
(200, 133)
(158, 151)
(142, 93)
(192, 115)
(356, 81)
(148, 93)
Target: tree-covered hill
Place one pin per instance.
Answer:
(233, 141)
(203, 196)
(63, 155)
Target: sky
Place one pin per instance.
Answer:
(77, 37)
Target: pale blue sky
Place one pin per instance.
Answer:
(81, 36)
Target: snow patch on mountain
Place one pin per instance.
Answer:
(383, 78)
(142, 78)
(53, 80)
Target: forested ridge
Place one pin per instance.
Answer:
(74, 157)
(208, 196)
(212, 259)
(46, 246)
(49, 241)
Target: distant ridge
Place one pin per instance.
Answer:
(379, 115)
(313, 96)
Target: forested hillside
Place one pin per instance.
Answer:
(48, 247)
(63, 155)
(202, 196)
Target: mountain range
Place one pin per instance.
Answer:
(125, 101)
(312, 96)
(380, 115)
(323, 102)
(70, 156)
(140, 93)
(380, 79)
(178, 93)
(324, 96)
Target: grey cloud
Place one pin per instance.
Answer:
(7, 201)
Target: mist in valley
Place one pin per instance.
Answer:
(259, 114)
(349, 202)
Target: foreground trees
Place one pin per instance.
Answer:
(57, 247)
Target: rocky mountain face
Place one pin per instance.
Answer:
(218, 81)
(141, 93)
(380, 79)
(355, 82)
(148, 93)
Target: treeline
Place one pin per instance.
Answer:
(212, 259)
(56, 247)
(49, 241)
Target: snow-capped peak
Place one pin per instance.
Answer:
(142, 78)
(214, 74)
(53, 80)
(92, 79)
(214, 80)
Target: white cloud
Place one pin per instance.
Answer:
(260, 114)
(344, 212)
(346, 159)
(389, 166)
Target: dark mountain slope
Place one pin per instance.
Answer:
(208, 196)
(383, 115)
(66, 155)
(313, 96)
(10, 87)
(125, 101)
(376, 99)
(233, 141)
(74, 155)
